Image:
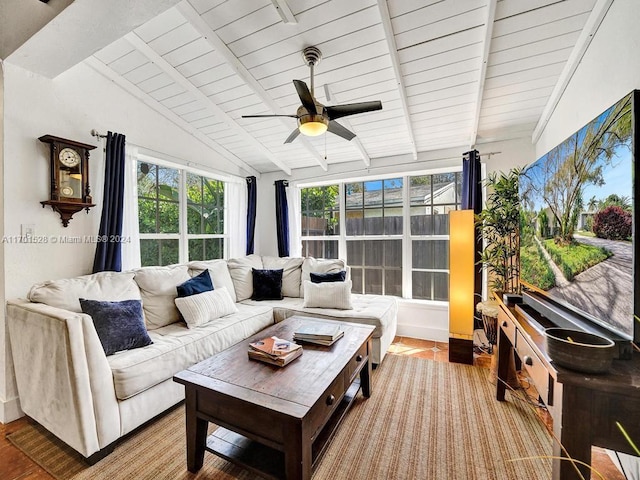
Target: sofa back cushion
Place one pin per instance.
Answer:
(242, 274)
(218, 271)
(291, 273)
(319, 265)
(158, 291)
(66, 293)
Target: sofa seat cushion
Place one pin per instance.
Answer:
(377, 310)
(66, 293)
(176, 347)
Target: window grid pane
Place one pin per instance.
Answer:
(320, 248)
(432, 197)
(376, 266)
(320, 211)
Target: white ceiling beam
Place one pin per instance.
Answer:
(598, 13)
(84, 27)
(488, 34)
(395, 60)
(196, 21)
(180, 79)
(331, 97)
(151, 102)
(285, 12)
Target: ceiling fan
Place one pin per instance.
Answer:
(313, 117)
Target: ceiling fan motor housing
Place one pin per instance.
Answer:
(305, 117)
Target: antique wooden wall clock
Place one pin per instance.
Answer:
(69, 169)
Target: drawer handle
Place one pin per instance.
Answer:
(330, 400)
(528, 360)
(359, 358)
(505, 324)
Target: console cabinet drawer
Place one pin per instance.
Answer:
(536, 369)
(507, 325)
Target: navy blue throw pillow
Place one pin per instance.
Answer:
(120, 325)
(328, 277)
(267, 284)
(198, 284)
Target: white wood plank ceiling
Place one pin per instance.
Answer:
(449, 73)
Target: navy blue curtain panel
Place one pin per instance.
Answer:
(471, 182)
(282, 218)
(109, 249)
(251, 213)
(472, 200)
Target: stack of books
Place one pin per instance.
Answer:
(321, 334)
(275, 351)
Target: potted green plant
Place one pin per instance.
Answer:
(499, 226)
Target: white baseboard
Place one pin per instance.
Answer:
(423, 332)
(10, 410)
(424, 320)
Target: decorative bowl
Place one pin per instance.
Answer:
(580, 351)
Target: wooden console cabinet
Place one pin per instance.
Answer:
(584, 407)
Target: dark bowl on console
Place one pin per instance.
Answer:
(580, 351)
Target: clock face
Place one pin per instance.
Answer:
(69, 157)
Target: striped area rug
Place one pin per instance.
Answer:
(424, 420)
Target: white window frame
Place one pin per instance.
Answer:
(406, 236)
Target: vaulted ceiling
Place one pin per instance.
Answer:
(449, 73)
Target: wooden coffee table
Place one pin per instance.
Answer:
(275, 421)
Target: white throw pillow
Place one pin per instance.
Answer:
(218, 271)
(291, 273)
(320, 265)
(201, 308)
(328, 295)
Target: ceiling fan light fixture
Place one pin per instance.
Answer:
(313, 129)
(313, 125)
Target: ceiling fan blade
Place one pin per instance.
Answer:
(335, 127)
(338, 111)
(305, 96)
(293, 136)
(267, 116)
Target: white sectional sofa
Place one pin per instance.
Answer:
(89, 399)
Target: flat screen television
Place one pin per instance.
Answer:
(577, 228)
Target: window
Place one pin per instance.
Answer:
(205, 217)
(180, 215)
(395, 232)
(320, 222)
(374, 221)
(431, 199)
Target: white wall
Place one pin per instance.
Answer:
(69, 107)
(415, 319)
(609, 70)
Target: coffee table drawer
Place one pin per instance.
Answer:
(355, 364)
(326, 404)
